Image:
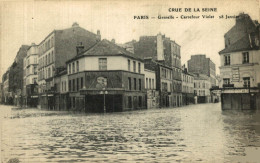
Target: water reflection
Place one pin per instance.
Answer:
(198, 133)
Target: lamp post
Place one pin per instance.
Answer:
(104, 97)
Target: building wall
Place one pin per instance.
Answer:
(150, 80)
(187, 83)
(67, 40)
(244, 70)
(113, 63)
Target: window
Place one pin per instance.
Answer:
(245, 57)
(61, 86)
(140, 85)
(140, 101)
(146, 83)
(49, 72)
(77, 84)
(246, 82)
(134, 83)
(77, 63)
(129, 101)
(102, 63)
(65, 87)
(69, 68)
(139, 67)
(227, 60)
(73, 67)
(153, 84)
(129, 84)
(226, 81)
(129, 65)
(69, 85)
(49, 58)
(81, 83)
(150, 83)
(134, 66)
(73, 84)
(52, 57)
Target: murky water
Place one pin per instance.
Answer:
(196, 133)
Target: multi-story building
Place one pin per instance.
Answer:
(62, 100)
(187, 87)
(55, 49)
(168, 83)
(165, 53)
(30, 71)
(199, 64)
(106, 78)
(16, 75)
(152, 97)
(240, 65)
(202, 87)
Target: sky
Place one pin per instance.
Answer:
(26, 22)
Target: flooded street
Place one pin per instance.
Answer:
(195, 133)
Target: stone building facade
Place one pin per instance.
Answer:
(30, 78)
(239, 69)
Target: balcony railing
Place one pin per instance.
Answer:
(228, 85)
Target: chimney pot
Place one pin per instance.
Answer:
(113, 41)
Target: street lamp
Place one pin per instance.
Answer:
(104, 92)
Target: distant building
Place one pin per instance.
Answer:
(168, 83)
(150, 86)
(16, 75)
(202, 87)
(199, 64)
(54, 50)
(187, 87)
(106, 78)
(30, 71)
(240, 65)
(163, 56)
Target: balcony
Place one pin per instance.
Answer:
(228, 85)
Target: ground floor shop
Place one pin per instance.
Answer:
(113, 100)
(188, 98)
(240, 99)
(170, 99)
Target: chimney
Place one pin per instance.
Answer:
(75, 24)
(113, 41)
(98, 35)
(160, 52)
(80, 48)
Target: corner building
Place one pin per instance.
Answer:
(106, 75)
(239, 70)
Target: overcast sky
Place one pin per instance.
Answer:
(31, 21)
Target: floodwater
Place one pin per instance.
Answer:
(195, 133)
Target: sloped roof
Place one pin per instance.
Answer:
(243, 44)
(106, 48)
